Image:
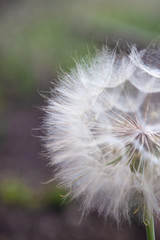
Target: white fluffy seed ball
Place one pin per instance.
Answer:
(102, 132)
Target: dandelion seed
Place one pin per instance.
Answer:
(102, 132)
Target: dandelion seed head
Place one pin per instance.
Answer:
(102, 132)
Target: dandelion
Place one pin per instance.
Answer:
(102, 133)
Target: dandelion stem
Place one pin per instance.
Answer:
(149, 224)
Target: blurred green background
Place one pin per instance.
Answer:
(39, 39)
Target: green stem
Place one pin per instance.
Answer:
(149, 224)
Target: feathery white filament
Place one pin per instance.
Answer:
(102, 132)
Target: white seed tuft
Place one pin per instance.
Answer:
(102, 133)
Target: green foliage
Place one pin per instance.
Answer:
(55, 198)
(14, 192)
(128, 21)
(37, 49)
